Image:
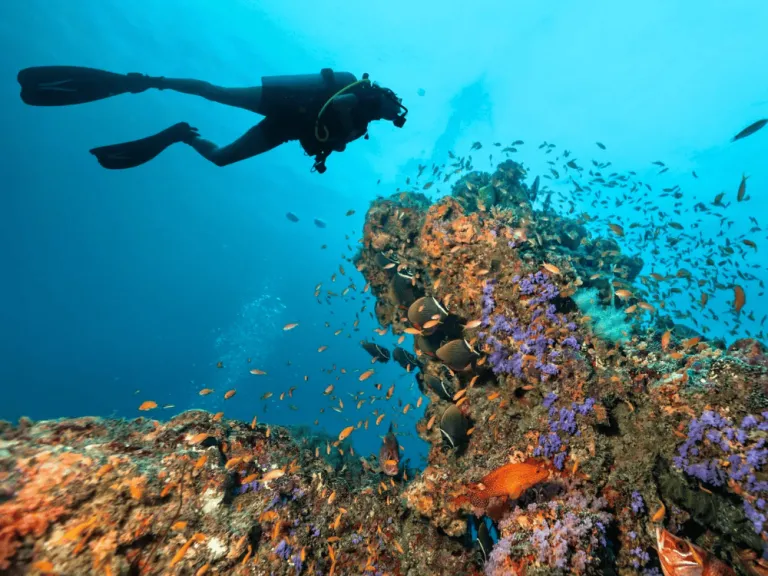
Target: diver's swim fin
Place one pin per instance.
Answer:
(138, 152)
(65, 85)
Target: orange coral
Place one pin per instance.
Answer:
(463, 229)
(39, 501)
(380, 240)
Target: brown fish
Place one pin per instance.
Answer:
(679, 557)
(616, 229)
(389, 454)
(739, 298)
(742, 188)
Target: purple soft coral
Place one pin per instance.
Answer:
(510, 338)
(713, 439)
(552, 444)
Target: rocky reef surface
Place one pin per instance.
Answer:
(200, 495)
(574, 429)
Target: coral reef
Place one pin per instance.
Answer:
(591, 432)
(644, 423)
(200, 495)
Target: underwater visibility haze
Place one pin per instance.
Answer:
(483, 291)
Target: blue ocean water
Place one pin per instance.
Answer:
(146, 279)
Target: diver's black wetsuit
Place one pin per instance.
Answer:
(348, 114)
(259, 139)
(324, 112)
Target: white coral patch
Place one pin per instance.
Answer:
(217, 548)
(211, 501)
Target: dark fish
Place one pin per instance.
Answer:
(383, 260)
(319, 223)
(389, 454)
(291, 216)
(456, 354)
(535, 189)
(476, 146)
(600, 145)
(518, 143)
(484, 534)
(402, 287)
(443, 386)
(751, 129)
(425, 309)
(405, 358)
(379, 352)
(742, 188)
(453, 426)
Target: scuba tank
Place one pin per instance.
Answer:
(305, 98)
(300, 93)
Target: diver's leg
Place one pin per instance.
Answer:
(259, 139)
(246, 98)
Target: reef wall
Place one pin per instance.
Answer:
(574, 429)
(538, 347)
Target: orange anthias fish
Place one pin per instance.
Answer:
(739, 298)
(681, 558)
(509, 481)
(389, 454)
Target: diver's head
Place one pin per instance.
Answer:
(389, 105)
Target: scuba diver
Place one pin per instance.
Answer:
(324, 111)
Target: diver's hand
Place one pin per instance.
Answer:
(183, 132)
(137, 83)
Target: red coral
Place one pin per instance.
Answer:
(35, 505)
(22, 517)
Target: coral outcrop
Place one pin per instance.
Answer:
(645, 424)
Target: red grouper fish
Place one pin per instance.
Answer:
(681, 558)
(389, 454)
